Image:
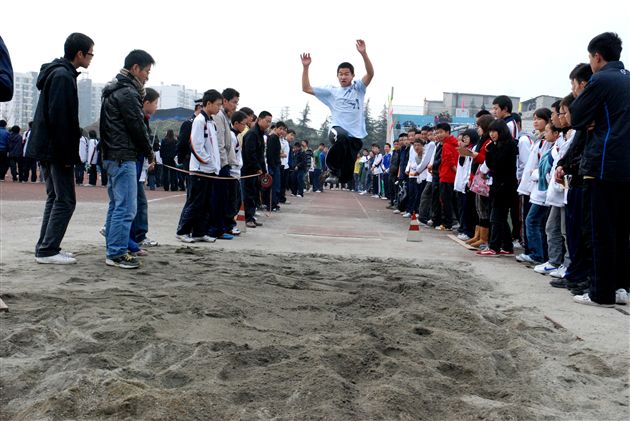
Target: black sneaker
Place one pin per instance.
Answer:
(558, 283)
(126, 261)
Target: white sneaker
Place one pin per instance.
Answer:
(102, 231)
(621, 296)
(67, 253)
(545, 268)
(147, 242)
(185, 238)
(585, 299)
(376, 196)
(57, 259)
(559, 273)
(406, 215)
(362, 193)
(463, 237)
(524, 258)
(396, 211)
(205, 239)
(517, 244)
(384, 198)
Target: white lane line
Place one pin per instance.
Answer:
(167, 197)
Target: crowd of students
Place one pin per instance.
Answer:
(559, 195)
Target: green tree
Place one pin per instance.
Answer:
(380, 129)
(302, 129)
(323, 130)
(284, 114)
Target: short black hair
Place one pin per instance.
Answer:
(556, 105)
(346, 65)
(517, 118)
(197, 107)
(3, 123)
(248, 111)
(387, 144)
(297, 145)
(581, 73)
(15, 129)
(426, 129)
(76, 42)
(544, 113)
(264, 114)
(322, 144)
(504, 102)
(608, 45)
(403, 134)
(290, 131)
(305, 141)
(482, 112)
(92, 134)
(211, 95)
(281, 124)
(376, 145)
(412, 129)
(230, 93)
(139, 57)
(150, 95)
(238, 117)
(567, 101)
(443, 126)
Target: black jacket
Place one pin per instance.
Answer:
(168, 151)
(606, 101)
(570, 162)
(55, 133)
(273, 151)
(15, 145)
(124, 134)
(253, 151)
(394, 163)
(183, 142)
(6, 74)
(501, 160)
(299, 161)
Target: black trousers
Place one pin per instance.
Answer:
(342, 154)
(60, 203)
(250, 193)
(609, 203)
(196, 212)
(28, 165)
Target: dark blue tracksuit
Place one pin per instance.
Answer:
(605, 166)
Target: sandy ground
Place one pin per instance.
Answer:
(325, 313)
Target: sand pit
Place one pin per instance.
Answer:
(205, 334)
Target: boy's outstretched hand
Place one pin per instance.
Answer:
(306, 59)
(361, 46)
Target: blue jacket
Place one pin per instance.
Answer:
(605, 101)
(4, 139)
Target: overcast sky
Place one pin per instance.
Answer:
(421, 48)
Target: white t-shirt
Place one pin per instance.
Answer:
(286, 150)
(346, 106)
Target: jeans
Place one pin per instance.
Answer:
(609, 202)
(28, 165)
(555, 240)
(140, 225)
(122, 190)
(60, 203)
(535, 225)
(299, 174)
(412, 194)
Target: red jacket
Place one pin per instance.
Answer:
(448, 166)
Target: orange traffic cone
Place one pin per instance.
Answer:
(414, 229)
(240, 219)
